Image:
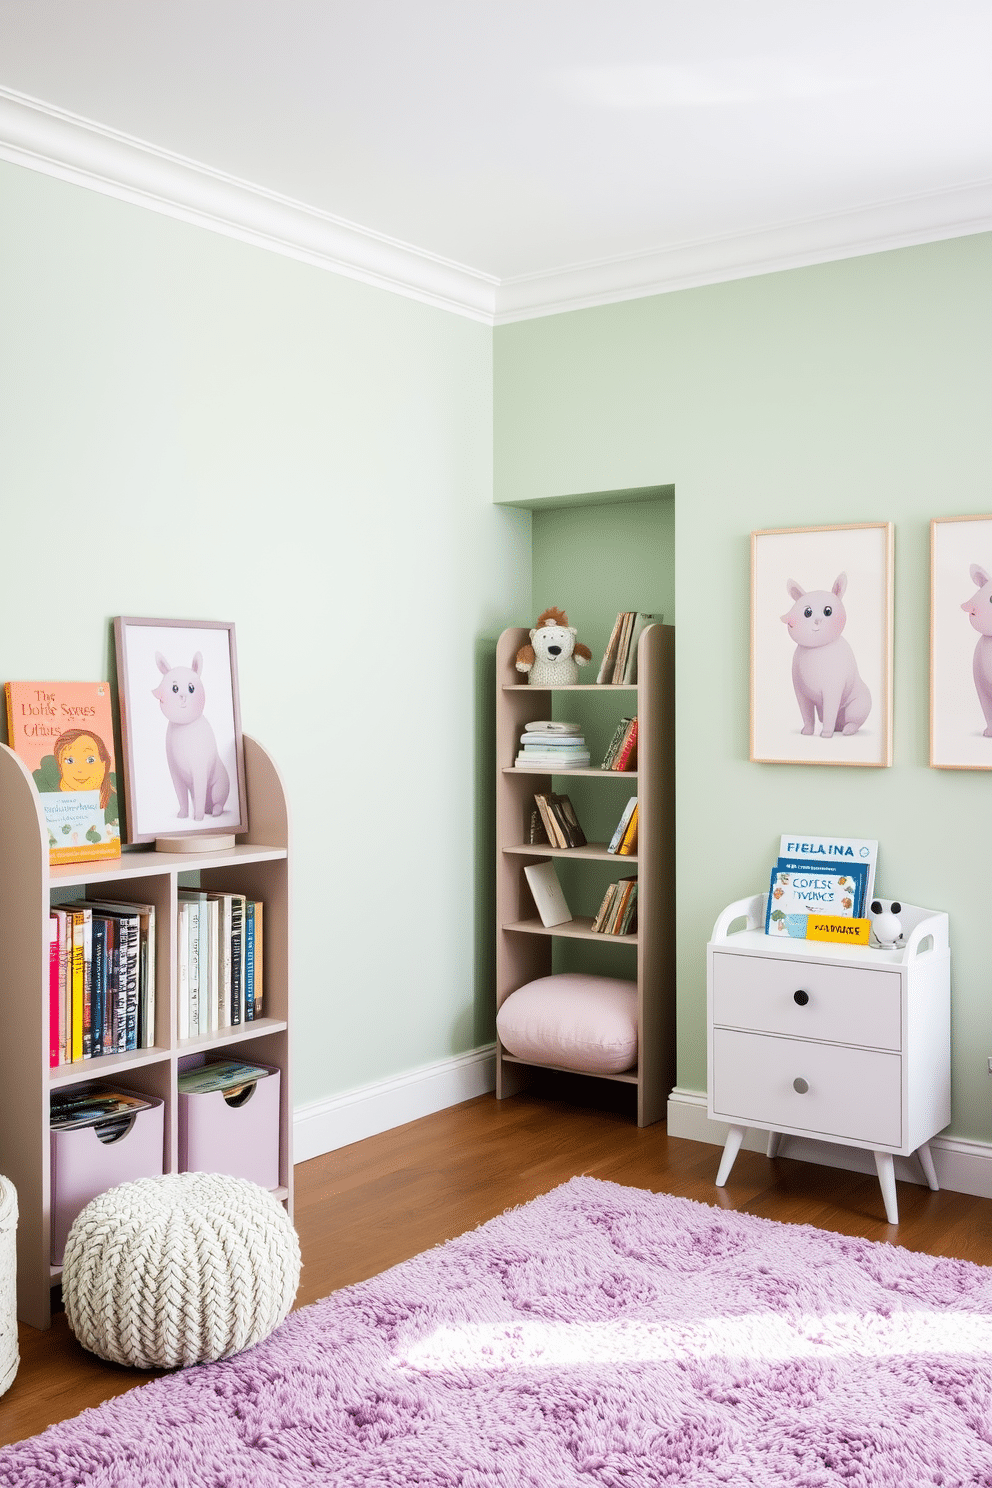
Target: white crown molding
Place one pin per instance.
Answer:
(903, 223)
(47, 139)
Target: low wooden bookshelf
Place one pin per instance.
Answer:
(257, 866)
(524, 946)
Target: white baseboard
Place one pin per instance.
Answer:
(962, 1166)
(326, 1125)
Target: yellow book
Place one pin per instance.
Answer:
(838, 929)
(628, 843)
(78, 971)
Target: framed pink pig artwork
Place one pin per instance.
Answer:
(961, 643)
(821, 645)
(183, 750)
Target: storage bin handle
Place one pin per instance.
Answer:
(109, 1132)
(241, 1096)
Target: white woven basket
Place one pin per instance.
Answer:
(9, 1357)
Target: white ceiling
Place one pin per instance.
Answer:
(576, 149)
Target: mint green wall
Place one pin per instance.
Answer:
(592, 561)
(852, 391)
(192, 427)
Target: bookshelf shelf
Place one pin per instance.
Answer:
(594, 852)
(524, 945)
(578, 928)
(572, 774)
(629, 1077)
(258, 866)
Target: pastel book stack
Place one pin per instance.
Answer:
(598, 1023)
(552, 747)
(125, 1024)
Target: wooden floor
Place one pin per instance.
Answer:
(369, 1206)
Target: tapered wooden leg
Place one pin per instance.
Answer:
(731, 1147)
(773, 1140)
(926, 1163)
(887, 1182)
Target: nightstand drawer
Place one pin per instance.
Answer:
(843, 1004)
(852, 1093)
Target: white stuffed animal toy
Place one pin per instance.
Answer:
(886, 924)
(554, 655)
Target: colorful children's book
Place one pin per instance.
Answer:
(833, 854)
(793, 896)
(63, 731)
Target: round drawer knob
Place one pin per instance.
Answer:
(801, 997)
(800, 1086)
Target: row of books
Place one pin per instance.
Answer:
(219, 958)
(619, 662)
(823, 876)
(557, 818)
(554, 820)
(101, 979)
(617, 914)
(552, 746)
(622, 751)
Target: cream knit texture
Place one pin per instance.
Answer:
(179, 1270)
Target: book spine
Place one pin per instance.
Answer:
(54, 998)
(629, 840)
(150, 984)
(224, 991)
(259, 958)
(249, 961)
(555, 835)
(87, 984)
(109, 1033)
(99, 980)
(603, 909)
(131, 1005)
(614, 744)
(78, 955)
(626, 756)
(212, 912)
(622, 825)
(182, 971)
(237, 961)
(65, 977)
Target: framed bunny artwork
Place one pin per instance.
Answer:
(961, 643)
(821, 645)
(183, 752)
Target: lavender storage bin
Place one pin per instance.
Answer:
(83, 1166)
(239, 1137)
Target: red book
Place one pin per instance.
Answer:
(54, 990)
(627, 757)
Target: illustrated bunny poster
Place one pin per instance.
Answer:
(821, 645)
(961, 643)
(181, 727)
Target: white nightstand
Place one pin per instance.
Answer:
(815, 1040)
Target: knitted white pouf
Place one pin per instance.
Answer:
(179, 1270)
(9, 1357)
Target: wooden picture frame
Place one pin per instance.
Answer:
(821, 683)
(187, 671)
(961, 643)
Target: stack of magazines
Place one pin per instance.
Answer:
(832, 876)
(229, 1075)
(111, 1110)
(552, 747)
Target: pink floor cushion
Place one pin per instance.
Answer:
(573, 1020)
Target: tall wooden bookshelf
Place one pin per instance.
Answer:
(524, 946)
(257, 866)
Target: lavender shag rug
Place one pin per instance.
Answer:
(597, 1336)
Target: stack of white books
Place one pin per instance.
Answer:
(552, 747)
